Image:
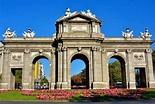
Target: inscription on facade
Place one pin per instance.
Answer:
(79, 28)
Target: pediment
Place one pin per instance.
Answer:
(76, 16)
(78, 19)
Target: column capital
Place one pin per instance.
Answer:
(148, 50)
(103, 50)
(27, 51)
(6, 51)
(93, 48)
(52, 51)
(64, 49)
(129, 50)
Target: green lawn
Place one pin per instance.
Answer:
(150, 94)
(15, 95)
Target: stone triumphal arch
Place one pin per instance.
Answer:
(77, 36)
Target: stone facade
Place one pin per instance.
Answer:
(78, 36)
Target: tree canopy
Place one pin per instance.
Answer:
(79, 79)
(115, 72)
(18, 76)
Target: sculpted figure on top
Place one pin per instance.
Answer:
(88, 13)
(9, 34)
(29, 34)
(146, 34)
(127, 34)
(68, 14)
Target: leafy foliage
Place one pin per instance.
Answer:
(115, 72)
(18, 76)
(83, 76)
(44, 80)
(79, 79)
(76, 80)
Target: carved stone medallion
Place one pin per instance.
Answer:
(17, 57)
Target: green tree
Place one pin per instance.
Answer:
(18, 76)
(76, 80)
(83, 76)
(44, 80)
(115, 72)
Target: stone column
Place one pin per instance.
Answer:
(105, 70)
(68, 75)
(6, 71)
(27, 72)
(64, 69)
(53, 66)
(149, 69)
(130, 69)
(59, 83)
(91, 70)
(1, 60)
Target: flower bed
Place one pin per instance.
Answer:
(3, 91)
(126, 93)
(114, 93)
(67, 94)
(52, 94)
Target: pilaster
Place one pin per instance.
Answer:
(27, 75)
(97, 77)
(6, 71)
(64, 69)
(149, 69)
(130, 70)
(53, 66)
(105, 70)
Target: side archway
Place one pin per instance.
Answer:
(121, 60)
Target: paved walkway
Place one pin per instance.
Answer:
(152, 101)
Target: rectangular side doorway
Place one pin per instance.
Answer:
(16, 78)
(140, 77)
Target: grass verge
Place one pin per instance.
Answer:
(15, 95)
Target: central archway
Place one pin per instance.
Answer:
(86, 61)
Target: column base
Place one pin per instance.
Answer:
(4, 86)
(52, 86)
(98, 85)
(25, 86)
(65, 85)
(58, 85)
(151, 84)
(132, 85)
(105, 85)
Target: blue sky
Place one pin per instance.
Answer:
(41, 15)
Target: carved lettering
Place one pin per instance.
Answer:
(79, 28)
